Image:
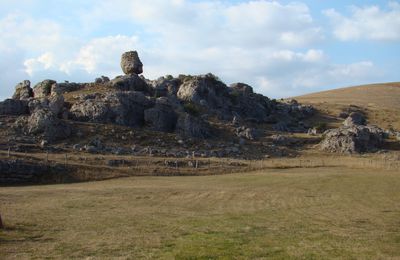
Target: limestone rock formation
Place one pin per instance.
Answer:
(102, 80)
(248, 133)
(353, 139)
(242, 88)
(43, 89)
(122, 107)
(355, 118)
(130, 63)
(129, 83)
(14, 107)
(161, 117)
(23, 90)
(191, 126)
(44, 123)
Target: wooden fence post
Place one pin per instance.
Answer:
(66, 160)
(1, 223)
(8, 153)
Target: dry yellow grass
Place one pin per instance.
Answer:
(380, 101)
(303, 213)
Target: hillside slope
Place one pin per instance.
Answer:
(380, 102)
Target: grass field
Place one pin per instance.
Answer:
(318, 213)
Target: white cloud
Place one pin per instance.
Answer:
(370, 22)
(268, 44)
(101, 55)
(43, 62)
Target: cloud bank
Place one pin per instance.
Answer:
(278, 48)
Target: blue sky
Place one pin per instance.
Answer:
(281, 48)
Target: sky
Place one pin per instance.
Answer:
(281, 48)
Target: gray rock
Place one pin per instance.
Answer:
(355, 118)
(122, 108)
(23, 90)
(54, 103)
(353, 139)
(130, 63)
(61, 88)
(43, 122)
(43, 89)
(282, 140)
(312, 131)
(14, 107)
(161, 117)
(207, 88)
(102, 80)
(241, 88)
(191, 126)
(164, 86)
(343, 115)
(130, 83)
(248, 133)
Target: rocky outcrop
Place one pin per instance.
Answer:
(54, 103)
(191, 126)
(164, 86)
(353, 139)
(131, 64)
(14, 107)
(43, 89)
(247, 133)
(44, 123)
(206, 90)
(241, 88)
(161, 117)
(130, 83)
(355, 118)
(122, 107)
(61, 88)
(102, 80)
(23, 91)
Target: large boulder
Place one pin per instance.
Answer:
(161, 117)
(355, 118)
(14, 107)
(164, 86)
(122, 107)
(43, 89)
(54, 103)
(191, 126)
(353, 139)
(205, 90)
(130, 63)
(61, 88)
(44, 123)
(102, 80)
(23, 90)
(241, 88)
(130, 83)
(247, 133)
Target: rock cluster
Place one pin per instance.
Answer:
(353, 136)
(23, 91)
(185, 105)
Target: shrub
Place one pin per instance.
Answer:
(192, 109)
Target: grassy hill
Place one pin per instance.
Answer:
(380, 102)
